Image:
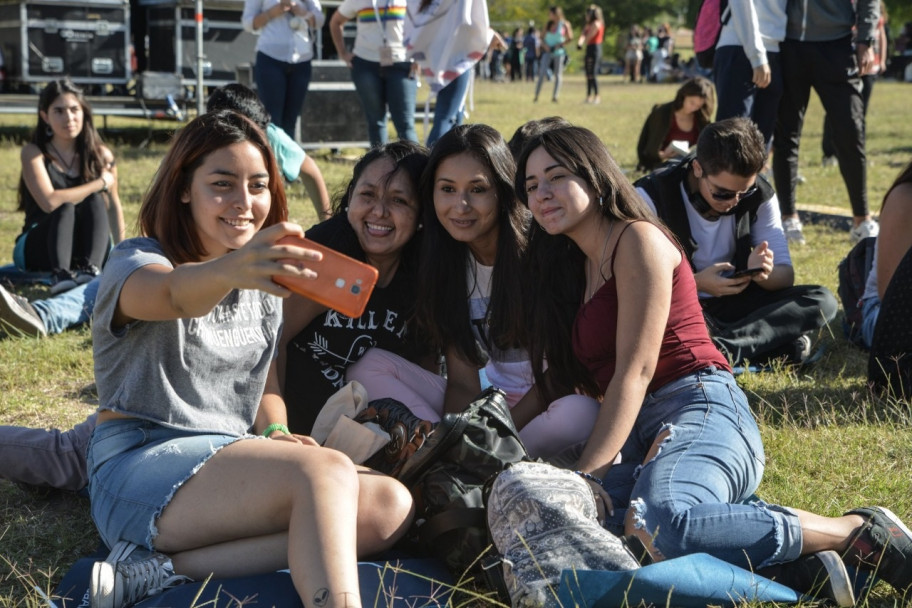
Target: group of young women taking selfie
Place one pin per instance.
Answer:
(544, 275)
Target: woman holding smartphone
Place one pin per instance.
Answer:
(185, 334)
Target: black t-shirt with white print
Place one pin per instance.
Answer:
(319, 355)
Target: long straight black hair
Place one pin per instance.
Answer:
(557, 265)
(443, 293)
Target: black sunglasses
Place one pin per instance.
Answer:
(727, 195)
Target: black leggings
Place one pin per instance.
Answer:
(593, 59)
(70, 237)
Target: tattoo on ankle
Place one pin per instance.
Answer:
(321, 596)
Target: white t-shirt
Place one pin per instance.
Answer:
(370, 34)
(716, 239)
(511, 369)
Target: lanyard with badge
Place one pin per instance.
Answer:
(386, 51)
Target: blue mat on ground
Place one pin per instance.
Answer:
(10, 273)
(408, 582)
(692, 581)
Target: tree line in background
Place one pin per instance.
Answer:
(621, 14)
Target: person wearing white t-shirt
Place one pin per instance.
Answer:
(383, 75)
(726, 217)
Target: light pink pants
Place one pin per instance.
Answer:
(566, 423)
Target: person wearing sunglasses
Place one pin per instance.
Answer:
(726, 217)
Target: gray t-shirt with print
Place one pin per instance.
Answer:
(203, 374)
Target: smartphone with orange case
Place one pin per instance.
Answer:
(343, 283)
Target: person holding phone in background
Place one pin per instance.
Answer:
(672, 128)
(285, 49)
(726, 216)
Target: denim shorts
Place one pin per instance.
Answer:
(135, 467)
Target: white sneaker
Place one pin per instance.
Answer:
(130, 574)
(792, 228)
(863, 230)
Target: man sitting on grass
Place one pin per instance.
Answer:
(726, 217)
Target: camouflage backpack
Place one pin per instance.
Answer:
(447, 473)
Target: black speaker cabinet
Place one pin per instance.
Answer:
(172, 39)
(88, 41)
(332, 116)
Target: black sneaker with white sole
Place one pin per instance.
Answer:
(821, 575)
(883, 544)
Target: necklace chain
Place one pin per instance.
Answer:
(591, 281)
(67, 165)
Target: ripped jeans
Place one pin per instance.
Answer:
(697, 494)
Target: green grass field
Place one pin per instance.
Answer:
(830, 444)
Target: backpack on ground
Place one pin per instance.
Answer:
(853, 273)
(446, 476)
(712, 15)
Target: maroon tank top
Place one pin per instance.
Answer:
(686, 346)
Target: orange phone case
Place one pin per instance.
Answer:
(343, 283)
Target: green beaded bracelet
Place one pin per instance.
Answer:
(276, 426)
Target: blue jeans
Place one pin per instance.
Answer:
(382, 87)
(738, 96)
(697, 493)
(448, 109)
(870, 310)
(68, 309)
(282, 88)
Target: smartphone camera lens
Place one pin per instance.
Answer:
(355, 289)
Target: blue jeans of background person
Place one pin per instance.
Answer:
(386, 87)
(448, 108)
(737, 95)
(68, 309)
(282, 88)
(870, 310)
(554, 63)
(697, 493)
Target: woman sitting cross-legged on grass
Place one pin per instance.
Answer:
(691, 455)
(470, 299)
(184, 340)
(68, 191)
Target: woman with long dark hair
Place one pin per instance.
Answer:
(675, 454)
(679, 120)
(68, 190)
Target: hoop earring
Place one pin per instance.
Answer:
(601, 202)
(49, 131)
